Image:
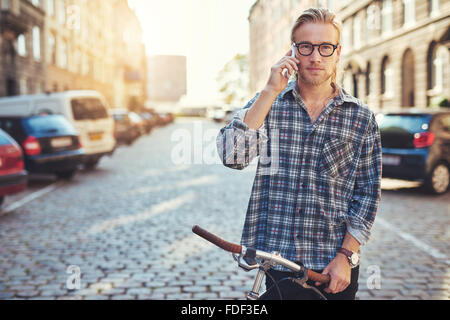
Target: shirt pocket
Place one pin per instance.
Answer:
(336, 158)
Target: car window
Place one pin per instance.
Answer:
(46, 124)
(46, 106)
(4, 139)
(118, 117)
(88, 109)
(12, 127)
(404, 122)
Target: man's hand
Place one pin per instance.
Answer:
(340, 274)
(277, 82)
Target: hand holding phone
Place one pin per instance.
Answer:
(285, 71)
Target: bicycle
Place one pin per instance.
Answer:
(264, 261)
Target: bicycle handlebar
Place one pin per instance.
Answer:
(236, 248)
(225, 245)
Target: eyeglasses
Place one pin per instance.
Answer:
(307, 48)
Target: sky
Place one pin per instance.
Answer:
(208, 32)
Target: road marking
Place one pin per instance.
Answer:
(32, 196)
(408, 237)
(156, 209)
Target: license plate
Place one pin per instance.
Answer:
(95, 136)
(391, 160)
(61, 142)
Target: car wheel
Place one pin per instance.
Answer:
(438, 180)
(91, 164)
(66, 175)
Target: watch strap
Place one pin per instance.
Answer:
(345, 252)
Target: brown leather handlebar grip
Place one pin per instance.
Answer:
(225, 245)
(314, 276)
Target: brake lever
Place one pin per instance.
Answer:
(302, 282)
(246, 266)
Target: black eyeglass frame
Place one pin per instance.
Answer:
(335, 46)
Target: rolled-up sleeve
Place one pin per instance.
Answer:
(237, 144)
(367, 190)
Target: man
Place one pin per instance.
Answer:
(319, 204)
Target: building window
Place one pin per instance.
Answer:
(330, 5)
(387, 78)
(63, 55)
(22, 45)
(433, 8)
(347, 82)
(368, 78)
(62, 12)
(36, 43)
(409, 12)
(6, 4)
(386, 17)
(51, 49)
(23, 86)
(438, 66)
(51, 7)
(356, 32)
(372, 20)
(347, 36)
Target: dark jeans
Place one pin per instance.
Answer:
(293, 291)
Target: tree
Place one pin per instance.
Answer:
(233, 81)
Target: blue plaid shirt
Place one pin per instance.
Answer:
(314, 181)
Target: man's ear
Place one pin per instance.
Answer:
(339, 48)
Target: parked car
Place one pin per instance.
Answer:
(229, 113)
(215, 113)
(124, 131)
(167, 117)
(416, 146)
(13, 176)
(156, 117)
(150, 121)
(85, 109)
(138, 122)
(49, 142)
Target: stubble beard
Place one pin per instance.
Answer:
(314, 81)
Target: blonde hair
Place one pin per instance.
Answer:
(319, 15)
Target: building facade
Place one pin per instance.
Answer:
(270, 33)
(22, 58)
(95, 45)
(395, 52)
(131, 60)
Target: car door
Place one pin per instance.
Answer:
(441, 129)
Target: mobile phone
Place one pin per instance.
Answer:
(285, 71)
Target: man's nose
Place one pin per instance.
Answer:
(315, 55)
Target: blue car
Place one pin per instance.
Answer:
(416, 146)
(49, 142)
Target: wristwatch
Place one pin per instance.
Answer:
(353, 257)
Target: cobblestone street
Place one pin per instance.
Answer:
(127, 227)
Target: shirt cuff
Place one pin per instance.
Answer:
(362, 236)
(241, 115)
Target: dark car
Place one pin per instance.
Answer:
(49, 142)
(124, 130)
(13, 176)
(138, 122)
(416, 146)
(167, 117)
(150, 121)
